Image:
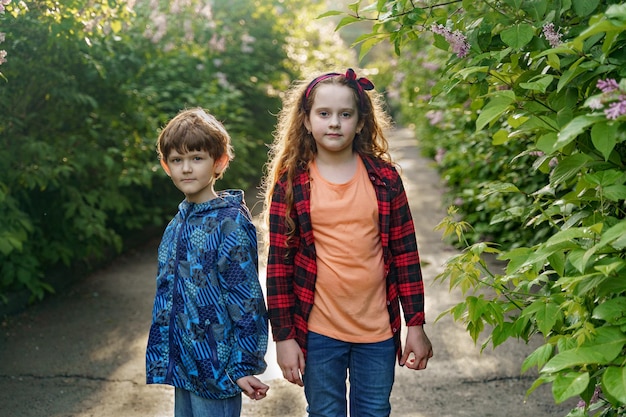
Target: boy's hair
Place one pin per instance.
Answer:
(294, 147)
(194, 130)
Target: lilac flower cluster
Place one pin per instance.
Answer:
(594, 398)
(552, 36)
(458, 41)
(3, 53)
(612, 100)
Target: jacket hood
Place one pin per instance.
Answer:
(225, 198)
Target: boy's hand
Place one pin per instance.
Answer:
(418, 344)
(253, 387)
(290, 360)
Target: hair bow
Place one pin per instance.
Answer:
(360, 83)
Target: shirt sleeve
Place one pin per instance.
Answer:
(280, 269)
(238, 271)
(403, 246)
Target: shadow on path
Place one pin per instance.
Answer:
(81, 353)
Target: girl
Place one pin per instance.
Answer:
(342, 250)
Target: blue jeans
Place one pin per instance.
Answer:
(188, 404)
(370, 367)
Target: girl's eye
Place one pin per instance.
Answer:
(346, 115)
(323, 113)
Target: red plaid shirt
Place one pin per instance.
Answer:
(291, 272)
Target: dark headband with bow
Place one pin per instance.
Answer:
(360, 84)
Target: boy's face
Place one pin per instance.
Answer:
(194, 173)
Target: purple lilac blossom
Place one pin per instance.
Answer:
(607, 85)
(458, 41)
(552, 36)
(616, 109)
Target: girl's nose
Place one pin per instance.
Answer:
(334, 121)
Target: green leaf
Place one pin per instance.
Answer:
(538, 358)
(546, 142)
(615, 192)
(346, 21)
(517, 36)
(602, 26)
(497, 106)
(617, 13)
(615, 236)
(569, 74)
(500, 137)
(539, 83)
(601, 350)
(570, 234)
(575, 128)
(568, 168)
(614, 381)
(584, 7)
(611, 310)
(500, 187)
(604, 138)
(464, 73)
(546, 317)
(330, 13)
(569, 385)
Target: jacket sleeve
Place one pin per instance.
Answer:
(238, 271)
(280, 269)
(406, 264)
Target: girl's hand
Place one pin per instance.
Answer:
(253, 387)
(418, 344)
(290, 360)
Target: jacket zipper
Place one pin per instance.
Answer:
(170, 359)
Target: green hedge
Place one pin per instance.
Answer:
(81, 109)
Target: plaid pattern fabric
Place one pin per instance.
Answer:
(292, 271)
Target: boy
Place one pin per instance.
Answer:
(209, 322)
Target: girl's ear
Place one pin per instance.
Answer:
(166, 168)
(307, 124)
(360, 125)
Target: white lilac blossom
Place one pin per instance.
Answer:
(4, 3)
(552, 36)
(3, 55)
(458, 41)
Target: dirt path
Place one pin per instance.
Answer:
(81, 353)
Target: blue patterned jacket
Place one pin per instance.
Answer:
(209, 321)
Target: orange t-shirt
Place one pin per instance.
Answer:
(350, 294)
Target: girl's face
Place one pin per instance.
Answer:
(333, 120)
